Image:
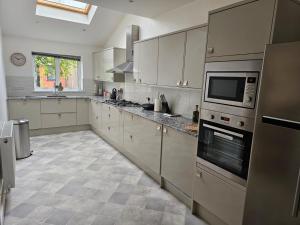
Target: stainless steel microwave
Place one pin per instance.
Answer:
(233, 88)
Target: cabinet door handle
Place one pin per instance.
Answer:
(165, 130)
(185, 83)
(295, 210)
(59, 115)
(158, 128)
(199, 175)
(96, 117)
(130, 136)
(210, 50)
(140, 80)
(179, 83)
(108, 115)
(108, 128)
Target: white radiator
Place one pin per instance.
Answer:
(7, 154)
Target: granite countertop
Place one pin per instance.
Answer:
(46, 97)
(178, 123)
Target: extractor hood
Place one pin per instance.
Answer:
(132, 35)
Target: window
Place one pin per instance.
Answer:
(68, 5)
(51, 70)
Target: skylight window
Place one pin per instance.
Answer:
(68, 10)
(68, 5)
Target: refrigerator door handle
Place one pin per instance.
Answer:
(296, 198)
(281, 122)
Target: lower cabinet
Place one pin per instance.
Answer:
(222, 198)
(52, 120)
(82, 109)
(142, 138)
(112, 123)
(28, 109)
(178, 154)
(95, 114)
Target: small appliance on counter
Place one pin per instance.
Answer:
(113, 94)
(148, 106)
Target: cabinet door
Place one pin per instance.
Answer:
(97, 58)
(240, 30)
(219, 197)
(136, 62)
(58, 105)
(28, 109)
(51, 120)
(148, 61)
(178, 153)
(107, 57)
(195, 57)
(95, 115)
(82, 106)
(170, 59)
(148, 138)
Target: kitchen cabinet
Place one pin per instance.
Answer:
(171, 59)
(95, 114)
(240, 30)
(82, 108)
(52, 120)
(136, 61)
(148, 61)
(195, 57)
(142, 138)
(178, 154)
(106, 60)
(58, 105)
(222, 198)
(112, 123)
(28, 109)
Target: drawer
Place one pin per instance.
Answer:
(221, 198)
(58, 105)
(58, 120)
(132, 123)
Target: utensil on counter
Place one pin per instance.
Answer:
(157, 104)
(196, 114)
(148, 106)
(119, 94)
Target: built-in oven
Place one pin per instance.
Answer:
(234, 88)
(225, 147)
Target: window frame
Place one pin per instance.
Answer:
(58, 58)
(65, 7)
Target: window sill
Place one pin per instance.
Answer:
(53, 92)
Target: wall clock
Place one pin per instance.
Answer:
(18, 59)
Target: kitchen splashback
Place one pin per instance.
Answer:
(180, 100)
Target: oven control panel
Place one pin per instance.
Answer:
(250, 90)
(238, 122)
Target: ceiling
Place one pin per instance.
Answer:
(17, 17)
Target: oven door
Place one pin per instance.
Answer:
(226, 88)
(225, 147)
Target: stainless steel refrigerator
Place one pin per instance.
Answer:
(274, 175)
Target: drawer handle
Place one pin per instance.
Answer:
(165, 130)
(185, 83)
(158, 128)
(130, 136)
(59, 115)
(199, 175)
(210, 50)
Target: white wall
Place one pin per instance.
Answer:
(189, 15)
(20, 79)
(3, 105)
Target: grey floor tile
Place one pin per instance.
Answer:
(78, 179)
(22, 210)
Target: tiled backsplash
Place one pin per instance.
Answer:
(23, 86)
(181, 100)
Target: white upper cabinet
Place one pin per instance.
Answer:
(236, 32)
(106, 60)
(148, 61)
(171, 59)
(195, 58)
(136, 61)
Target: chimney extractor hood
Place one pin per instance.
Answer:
(132, 35)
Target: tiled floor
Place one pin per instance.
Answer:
(78, 179)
